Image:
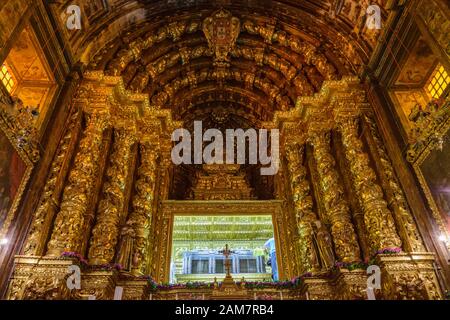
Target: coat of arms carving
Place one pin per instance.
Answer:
(221, 30)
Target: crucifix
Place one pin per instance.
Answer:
(227, 252)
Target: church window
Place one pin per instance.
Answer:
(247, 266)
(439, 82)
(7, 78)
(200, 266)
(220, 265)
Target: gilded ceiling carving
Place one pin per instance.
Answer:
(271, 52)
(273, 93)
(221, 30)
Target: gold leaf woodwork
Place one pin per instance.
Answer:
(68, 229)
(110, 209)
(222, 31)
(378, 219)
(143, 209)
(49, 202)
(337, 210)
(406, 226)
(303, 206)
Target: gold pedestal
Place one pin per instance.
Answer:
(135, 289)
(40, 278)
(341, 285)
(409, 276)
(317, 288)
(99, 283)
(350, 285)
(229, 290)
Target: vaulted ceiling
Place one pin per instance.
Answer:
(270, 53)
(284, 49)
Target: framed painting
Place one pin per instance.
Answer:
(18, 154)
(430, 157)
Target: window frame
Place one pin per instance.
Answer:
(432, 89)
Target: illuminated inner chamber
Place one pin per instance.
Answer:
(199, 240)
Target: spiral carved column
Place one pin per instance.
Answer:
(49, 202)
(68, 229)
(406, 226)
(110, 209)
(344, 236)
(143, 207)
(378, 219)
(303, 209)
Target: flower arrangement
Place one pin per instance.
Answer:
(189, 285)
(361, 265)
(107, 267)
(393, 250)
(292, 284)
(75, 255)
(85, 264)
(357, 265)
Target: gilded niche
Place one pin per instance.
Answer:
(221, 182)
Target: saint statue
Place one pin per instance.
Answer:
(325, 245)
(124, 255)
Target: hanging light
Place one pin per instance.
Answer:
(3, 242)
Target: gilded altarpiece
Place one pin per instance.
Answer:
(313, 224)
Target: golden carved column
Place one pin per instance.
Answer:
(378, 219)
(287, 227)
(406, 226)
(68, 229)
(303, 208)
(36, 242)
(289, 240)
(143, 207)
(160, 258)
(110, 209)
(336, 207)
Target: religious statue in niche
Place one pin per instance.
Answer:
(324, 245)
(124, 255)
(12, 170)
